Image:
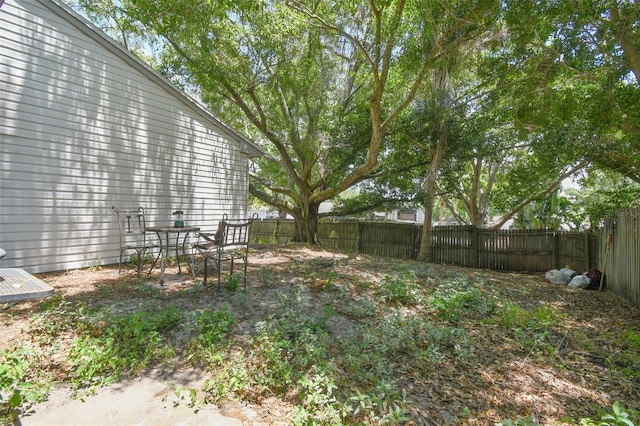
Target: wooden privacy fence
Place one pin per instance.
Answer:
(514, 250)
(508, 250)
(622, 267)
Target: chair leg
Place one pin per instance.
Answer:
(177, 254)
(205, 271)
(219, 271)
(139, 259)
(245, 274)
(191, 261)
(219, 265)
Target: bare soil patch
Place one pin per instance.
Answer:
(585, 366)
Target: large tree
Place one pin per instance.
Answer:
(458, 124)
(320, 84)
(317, 83)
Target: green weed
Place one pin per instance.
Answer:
(358, 309)
(144, 258)
(395, 331)
(231, 283)
(268, 277)
(531, 327)
(123, 343)
(401, 289)
(56, 317)
(629, 357)
(511, 316)
(318, 405)
(19, 383)
(454, 298)
(52, 303)
(287, 345)
(617, 416)
(383, 405)
(232, 376)
(211, 328)
(148, 290)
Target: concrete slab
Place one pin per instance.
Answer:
(17, 284)
(146, 401)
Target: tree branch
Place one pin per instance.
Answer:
(550, 188)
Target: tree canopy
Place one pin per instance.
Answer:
(318, 84)
(405, 101)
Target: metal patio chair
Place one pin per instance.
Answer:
(133, 236)
(230, 244)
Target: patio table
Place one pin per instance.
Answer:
(164, 233)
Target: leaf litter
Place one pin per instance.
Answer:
(565, 371)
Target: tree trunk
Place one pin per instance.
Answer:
(430, 192)
(307, 225)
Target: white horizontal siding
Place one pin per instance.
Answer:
(82, 129)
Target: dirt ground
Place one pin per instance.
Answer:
(503, 383)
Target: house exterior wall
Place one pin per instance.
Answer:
(84, 126)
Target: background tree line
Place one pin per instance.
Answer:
(484, 107)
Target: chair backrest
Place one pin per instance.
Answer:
(132, 225)
(130, 222)
(235, 234)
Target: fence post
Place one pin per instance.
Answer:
(275, 231)
(415, 234)
(587, 250)
(475, 249)
(555, 250)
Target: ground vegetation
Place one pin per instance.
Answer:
(328, 337)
